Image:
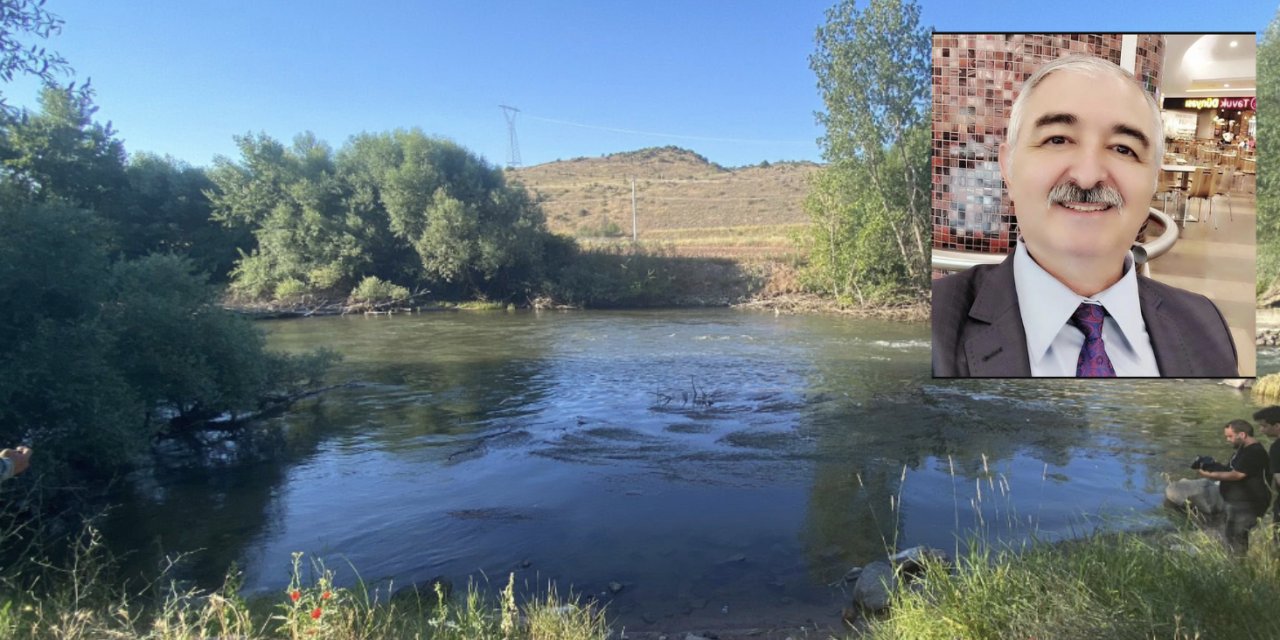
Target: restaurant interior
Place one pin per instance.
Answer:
(1200, 231)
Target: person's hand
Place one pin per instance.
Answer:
(19, 456)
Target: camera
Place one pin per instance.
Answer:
(1208, 464)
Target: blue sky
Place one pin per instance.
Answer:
(728, 79)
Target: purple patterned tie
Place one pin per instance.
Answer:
(1093, 361)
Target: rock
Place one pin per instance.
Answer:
(615, 587)
(874, 586)
(910, 562)
(1200, 495)
(851, 575)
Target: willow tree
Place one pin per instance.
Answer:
(873, 73)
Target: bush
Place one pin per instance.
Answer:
(290, 289)
(375, 290)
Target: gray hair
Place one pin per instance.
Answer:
(1092, 66)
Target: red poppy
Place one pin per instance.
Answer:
(294, 595)
(326, 595)
(315, 613)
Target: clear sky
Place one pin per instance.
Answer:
(729, 79)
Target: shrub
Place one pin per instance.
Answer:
(290, 289)
(373, 289)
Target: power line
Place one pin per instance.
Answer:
(668, 135)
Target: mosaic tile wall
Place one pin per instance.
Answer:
(975, 80)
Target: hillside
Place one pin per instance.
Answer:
(684, 202)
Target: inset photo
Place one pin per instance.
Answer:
(1094, 206)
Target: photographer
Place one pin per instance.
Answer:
(1244, 486)
(1269, 422)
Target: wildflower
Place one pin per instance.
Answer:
(294, 595)
(326, 595)
(315, 613)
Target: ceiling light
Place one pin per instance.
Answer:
(1227, 86)
(1234, 43)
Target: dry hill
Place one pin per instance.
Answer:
(683, 202)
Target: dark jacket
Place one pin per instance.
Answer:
(977, 328)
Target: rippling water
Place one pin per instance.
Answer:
(719, 464)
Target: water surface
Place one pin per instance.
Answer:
(723, 466)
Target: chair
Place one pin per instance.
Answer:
(1222, 177)
(1249, 169)
(1201, 187)
(1169, 189)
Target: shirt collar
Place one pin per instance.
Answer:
(1046, 304)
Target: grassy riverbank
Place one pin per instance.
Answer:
(1179, 585)
(83, 602)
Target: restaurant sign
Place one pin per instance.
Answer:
(1212, 103)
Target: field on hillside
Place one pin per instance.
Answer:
(684, 204)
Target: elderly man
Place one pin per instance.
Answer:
(1081, 162)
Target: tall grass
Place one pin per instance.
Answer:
(1180, 585)
(84, 602)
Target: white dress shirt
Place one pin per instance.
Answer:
(1053, 344)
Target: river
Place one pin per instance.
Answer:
(724, 467)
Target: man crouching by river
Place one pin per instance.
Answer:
(1244, 486)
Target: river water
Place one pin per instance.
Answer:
(724, 467)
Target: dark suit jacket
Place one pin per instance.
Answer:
(977, 328)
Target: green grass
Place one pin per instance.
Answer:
(82, 602)
(1173, 585)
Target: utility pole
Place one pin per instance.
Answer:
(513, 151)
(634, 234)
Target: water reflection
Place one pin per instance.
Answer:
(739, 461)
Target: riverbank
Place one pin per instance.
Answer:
(794, 303)
(1179, 584)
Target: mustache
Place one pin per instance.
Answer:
(1072, 192)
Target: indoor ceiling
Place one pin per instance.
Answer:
(1200, 66)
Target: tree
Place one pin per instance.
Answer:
(293, 201)
(399, 206)
(29, 17)
(62, 154)
(176, 347)
(167, 212)
(1268, 191)
(872, 68)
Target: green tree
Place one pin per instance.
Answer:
(872, 68)
(176, 347)
(400, 206)
(1268, 191)
(294, 203)
(59, 389)
(62, 154)
(168, 212)
(19, 18)
(468, 227)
